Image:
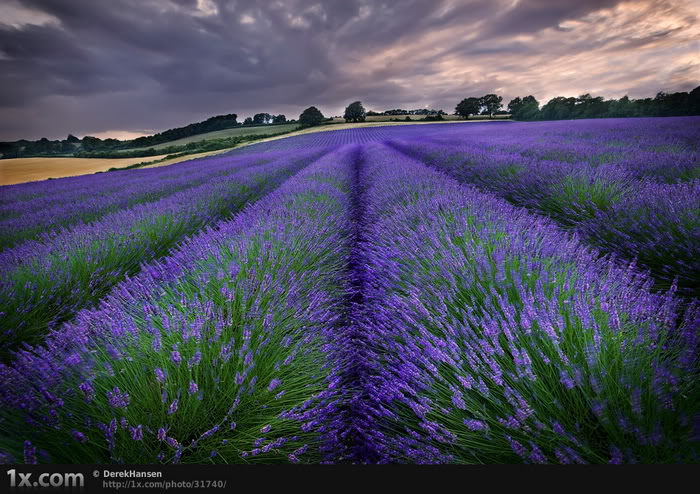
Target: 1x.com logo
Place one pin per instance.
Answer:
(46, 479)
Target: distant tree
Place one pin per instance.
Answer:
(587, 106)
(621, 108)
(72, 138)
(262, 118)
(491, 104)
(90, 143)
(279, 119)
(311, 116)
(559, 108)
(248, 121)
(355, 112)
(468, 106)
(527, 108)
(218, 122)
(371, 113)
(515, 105)
(672, 104)
(694, 101)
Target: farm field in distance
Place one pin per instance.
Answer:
(219, 134)
(499, 292)
(20, 170)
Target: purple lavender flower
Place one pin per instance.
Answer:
(79, 436)
(160, 375)
(196, 359)
(476, 425)
(137, 433)
(617, 458)
(30, 453)
(210, 432)
(88, 391)
(518, 448)
(536, 456)
(193, 388)
(117, 399)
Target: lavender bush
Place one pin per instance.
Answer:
(99, 196)
(216, 353)
(577, 181)
(493, 337)
(330, 298)
(44, 282)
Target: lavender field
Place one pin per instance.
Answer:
(496, 292)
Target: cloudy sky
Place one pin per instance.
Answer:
(124, 68)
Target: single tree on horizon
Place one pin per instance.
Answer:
(262, 118)
(468, 106)
(491, 104)
(310, 117)
(355, 112)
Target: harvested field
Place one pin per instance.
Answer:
(19, 170)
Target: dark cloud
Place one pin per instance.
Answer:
(94, 66)
(534, 15)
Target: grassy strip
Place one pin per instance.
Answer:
(176, 151)
(152, 162)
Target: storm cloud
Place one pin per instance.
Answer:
(132, 67)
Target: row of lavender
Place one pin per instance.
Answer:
(663, 149)
(220, 351)
(493, 337)
(369, 310)
(37, 209)
(640, 201)
(45, 281)
(94, 196)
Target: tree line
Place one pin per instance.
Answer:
(219, 122)
(90, 146)
(265, 119)
(526, 108)
(584, 106)
(355, 112)
(178, 150)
